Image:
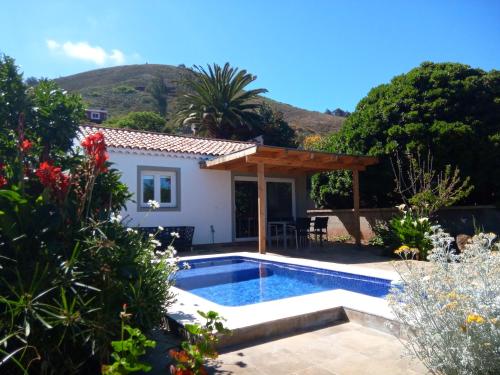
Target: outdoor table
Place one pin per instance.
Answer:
(284, 224)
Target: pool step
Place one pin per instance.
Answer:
(283, 327)
(267, 331)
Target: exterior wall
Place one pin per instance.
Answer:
(205, 196)
(455, 220)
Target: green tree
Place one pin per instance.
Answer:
(218, 104)
(275, 130)
(159, 91)
(47, 112)
(55, 116)
(149, 121)
(449, 109)
(67, 264)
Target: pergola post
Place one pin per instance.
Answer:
(262, 207)
(355, 194)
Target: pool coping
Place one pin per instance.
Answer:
(287, 315)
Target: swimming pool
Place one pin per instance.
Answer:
(239, 281)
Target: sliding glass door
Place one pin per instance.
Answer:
(280, 204)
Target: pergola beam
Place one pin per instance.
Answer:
(287, 162)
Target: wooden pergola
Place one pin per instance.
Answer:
(262, 159)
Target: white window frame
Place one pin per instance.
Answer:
(157, 173)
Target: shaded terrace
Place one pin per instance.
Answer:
(261, 160)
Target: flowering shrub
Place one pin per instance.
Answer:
(190, 360)
(67, 263)
(450, 307)
(412, 231)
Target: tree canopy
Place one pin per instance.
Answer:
(449, 109)
(44, 111)
(159, 91)
(274, 129)
(149, 121)
(218, 104)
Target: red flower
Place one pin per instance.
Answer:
(3, 181)
(26, 145)
(53, 178)
(95, 148)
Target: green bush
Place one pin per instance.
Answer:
(123, 89)
(412, 231)
(448, 109)
(67, 264)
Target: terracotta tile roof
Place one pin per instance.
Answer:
(143, 140)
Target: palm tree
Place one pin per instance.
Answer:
(218, 104)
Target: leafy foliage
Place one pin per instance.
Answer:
(411, 231)
(450, 109)
(425, 189)
(126, 352)
(449, 309)
(160, 91)
(218, 104)
(66, 262)
(275, 130)
(191, 359)
(149, 121)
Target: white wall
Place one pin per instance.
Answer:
(205, 195)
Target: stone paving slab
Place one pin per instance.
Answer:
(343, 349)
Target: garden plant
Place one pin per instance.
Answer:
(450, 307)
(192, 357)
(67, 263)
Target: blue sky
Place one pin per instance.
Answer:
(312, 54)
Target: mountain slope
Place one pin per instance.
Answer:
(122, 89)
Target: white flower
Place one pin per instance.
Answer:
(186, 265)
(155, 242)
(402, 221)
(151, 235)
(423, 220)
(115, 218)
(170, 248)
(153, 204)
(401, 207)
(160, 228)
(131, 230)
(175, 234)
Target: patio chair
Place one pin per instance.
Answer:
(276, 230)
(301, 229)
(183, 243)
(320, 229)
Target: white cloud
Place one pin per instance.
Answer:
(84, 51)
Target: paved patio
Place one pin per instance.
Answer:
(344, 253)
(343, 349)
(347, 348)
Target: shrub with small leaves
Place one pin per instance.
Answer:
(450, 307)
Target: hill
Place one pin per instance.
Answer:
(122, 89)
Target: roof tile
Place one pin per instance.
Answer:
(143, 140)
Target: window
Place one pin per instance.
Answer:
(158, 184)
(95, 116)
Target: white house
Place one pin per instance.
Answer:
(226, 189)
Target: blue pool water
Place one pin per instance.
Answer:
(238, 281)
